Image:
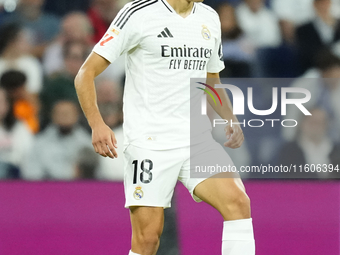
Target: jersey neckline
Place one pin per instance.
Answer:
(170, 9)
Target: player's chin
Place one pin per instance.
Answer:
(197, 1)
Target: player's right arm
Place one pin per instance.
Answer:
(103, 138)
(123, 35)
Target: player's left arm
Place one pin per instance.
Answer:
(234, 132)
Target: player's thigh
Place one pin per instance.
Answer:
(221, 190)
(226, 194)
(146, 221)
(217, 187)
(150, 176)
(206, 160)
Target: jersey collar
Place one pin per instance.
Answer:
(170, 9)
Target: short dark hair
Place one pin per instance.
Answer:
(9, 32)
(325, 60)
(13, 79)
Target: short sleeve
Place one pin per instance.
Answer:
(216, 64)
(123, 35)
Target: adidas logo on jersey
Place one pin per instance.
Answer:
(165, 33)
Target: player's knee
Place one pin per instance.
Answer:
(149, 240)
(237, 207)
(149, 243)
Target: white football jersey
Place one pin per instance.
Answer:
(163, 51)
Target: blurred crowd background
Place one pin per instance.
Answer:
(43, 43)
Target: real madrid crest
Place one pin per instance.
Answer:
(138, 193)
(206, 33)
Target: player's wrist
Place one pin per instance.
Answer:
(231, 120)
(96, 121)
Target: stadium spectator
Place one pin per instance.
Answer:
(291, 14)
(42, 27)
(259, 23)
(312, 146)
(323, 82)
(294, 13)
(14, 55)
(238, 50)
(101, 14)
(15, 139)
(25, 106)
(56, 149)
(61, 85)
(75, 27)
(323, 32)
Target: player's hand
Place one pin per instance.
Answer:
(104, 141)
(234, 136)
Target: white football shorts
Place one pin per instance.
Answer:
(150, 176)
